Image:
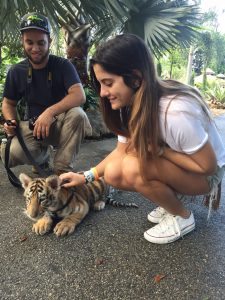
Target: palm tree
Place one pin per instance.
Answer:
(162, 23)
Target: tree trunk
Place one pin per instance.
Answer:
(204, 78)
(159, 68)
(77, 38)
(0, 55)
(171, 69)
(189, 66)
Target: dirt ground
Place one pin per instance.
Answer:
(217, 111)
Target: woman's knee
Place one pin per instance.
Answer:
(113, 174)
(122, 173)
(131, 170)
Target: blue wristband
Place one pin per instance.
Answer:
(89, 176)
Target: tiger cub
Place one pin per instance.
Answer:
(47, 200)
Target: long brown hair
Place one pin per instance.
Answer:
(127, 55)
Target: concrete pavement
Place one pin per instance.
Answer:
(107, 257)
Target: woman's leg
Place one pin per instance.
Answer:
(163, 179)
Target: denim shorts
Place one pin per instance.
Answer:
(213, 181)
(216, 178)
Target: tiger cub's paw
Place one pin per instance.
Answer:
(99, 205)
(42, 226)
(64, 228)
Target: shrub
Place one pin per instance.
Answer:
(92, 102)
(215, 92)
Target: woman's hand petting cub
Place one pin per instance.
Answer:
(72, 179)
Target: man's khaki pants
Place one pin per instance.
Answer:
(66, 135)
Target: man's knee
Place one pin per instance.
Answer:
(77, 118)
(76, 114)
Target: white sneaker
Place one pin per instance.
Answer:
(157, 214)
(170, 229)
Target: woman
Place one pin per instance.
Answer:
(167, 142)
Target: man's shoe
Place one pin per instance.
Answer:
(170, 229)
(45, 166)
(157, 214)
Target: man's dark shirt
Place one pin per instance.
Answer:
(41, 92)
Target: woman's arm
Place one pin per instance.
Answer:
(74, 179)
(118, 152)
(202, 162)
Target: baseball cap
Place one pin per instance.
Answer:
(35, 21)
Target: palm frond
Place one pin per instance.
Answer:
(161, 23)
(165, 24)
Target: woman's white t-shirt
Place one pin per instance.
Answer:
(185, 127)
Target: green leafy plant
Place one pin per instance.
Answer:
(1, 90)
(92, 102)
(216, 93)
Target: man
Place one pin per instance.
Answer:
(53, 93)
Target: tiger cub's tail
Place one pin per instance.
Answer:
(113, 202)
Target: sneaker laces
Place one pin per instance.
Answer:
(169, 220)
(159, 209)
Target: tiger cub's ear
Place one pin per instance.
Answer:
(54, 182)
(25, 180)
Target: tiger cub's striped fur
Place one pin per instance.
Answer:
(47, 200)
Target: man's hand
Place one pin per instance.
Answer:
(42, 124)
(9, 127)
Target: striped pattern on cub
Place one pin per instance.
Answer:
(47, 200)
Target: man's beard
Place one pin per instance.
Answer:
(37, 62)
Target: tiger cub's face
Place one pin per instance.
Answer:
(40, 193)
